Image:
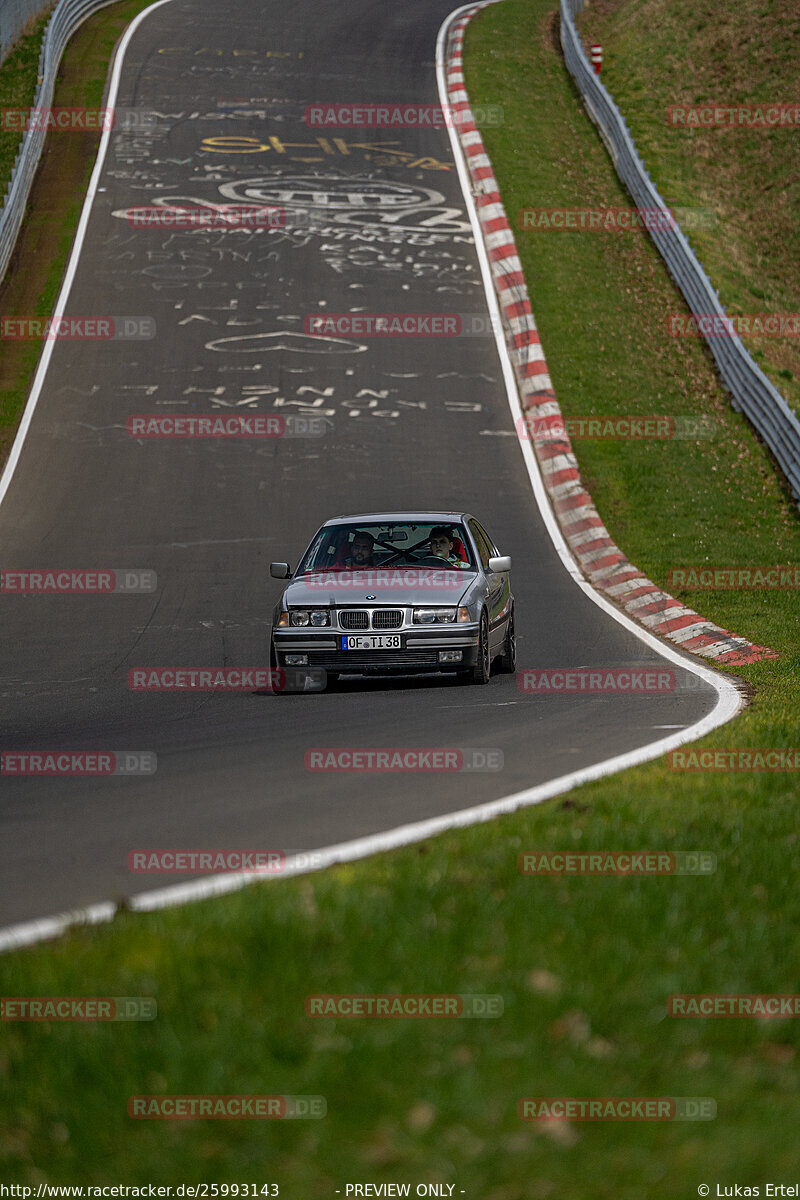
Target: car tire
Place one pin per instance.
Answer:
(508, 659)
(481, 672)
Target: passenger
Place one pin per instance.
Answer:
(441, 541)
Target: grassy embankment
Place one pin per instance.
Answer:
(584, 965)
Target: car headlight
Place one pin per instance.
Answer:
(434, 616)
(305, 616)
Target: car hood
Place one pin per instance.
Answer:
(398, 585)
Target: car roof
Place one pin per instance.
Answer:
(410, 516)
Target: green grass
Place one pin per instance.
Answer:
(584, 965)
(18, 76)
(56, 200)
(82, 75)
(694, 52)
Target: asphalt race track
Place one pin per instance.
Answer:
(410, 422)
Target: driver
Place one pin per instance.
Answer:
(441, 541)
(360, 551)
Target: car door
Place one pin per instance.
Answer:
(498, 587)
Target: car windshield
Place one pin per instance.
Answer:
(429, 544)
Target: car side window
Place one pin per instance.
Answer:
(481, 541)
(488, 540)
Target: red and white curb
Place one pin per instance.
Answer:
(728, 703)
(600, 559)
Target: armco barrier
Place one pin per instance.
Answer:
(752, 392)
(67, 16)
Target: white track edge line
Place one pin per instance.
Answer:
(72, 265)
(728, 704)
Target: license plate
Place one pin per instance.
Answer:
(371, 641)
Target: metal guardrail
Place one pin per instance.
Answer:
(67, 16)
(753, 394)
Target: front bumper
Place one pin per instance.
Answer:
(420, 651)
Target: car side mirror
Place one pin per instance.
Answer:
(501, 563)
(280, 570)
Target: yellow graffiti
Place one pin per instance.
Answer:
(380, 152)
